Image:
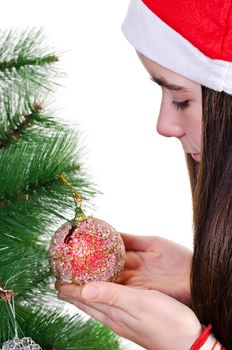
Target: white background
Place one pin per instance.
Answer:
(142, 175)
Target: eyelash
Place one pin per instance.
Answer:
(180, 105)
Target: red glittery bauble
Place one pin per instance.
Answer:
(87, 250)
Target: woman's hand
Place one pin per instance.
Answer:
(156, 263)
(149, 318)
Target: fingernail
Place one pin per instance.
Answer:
(89, 292)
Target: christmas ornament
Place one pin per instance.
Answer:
(20, 344)
(25, 343)
(86, 249)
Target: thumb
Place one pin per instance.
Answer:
(111, 294)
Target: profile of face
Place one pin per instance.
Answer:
(180, 113)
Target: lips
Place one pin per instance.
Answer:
(196, 156)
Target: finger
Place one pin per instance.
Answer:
(70, 292)
(102, 317)
(107, 293)
(112, 294)
(133, 260)
(125, 276)
(134, 242)
(92, 311)
(132, 263)
(99, 310)
(58, 284)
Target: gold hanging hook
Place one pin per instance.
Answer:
(79, 214)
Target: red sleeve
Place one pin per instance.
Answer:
(207, 341)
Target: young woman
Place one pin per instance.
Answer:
(168, 298)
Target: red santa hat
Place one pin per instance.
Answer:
(191, 38)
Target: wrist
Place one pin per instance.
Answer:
(192, 333)
(200, 341)
(206, 340)
(190, 330)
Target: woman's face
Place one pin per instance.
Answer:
(181, 107)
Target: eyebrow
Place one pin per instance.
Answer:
(163, 82)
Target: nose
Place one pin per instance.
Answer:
(169, 123)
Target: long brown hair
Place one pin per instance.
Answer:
(211, 182)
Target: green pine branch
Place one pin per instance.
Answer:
(59, 330)
(33, 199)
(26, 61)
(35, 150)
(22, 61)
(18, 112)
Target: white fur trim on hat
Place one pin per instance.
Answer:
(156, 40)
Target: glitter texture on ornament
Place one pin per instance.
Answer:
(20, 344)
(87, 250)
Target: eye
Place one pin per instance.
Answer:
(180, 105)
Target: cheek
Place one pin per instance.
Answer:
(193, 124)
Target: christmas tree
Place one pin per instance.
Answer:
(36, 153)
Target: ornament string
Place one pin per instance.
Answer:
(12, 309)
